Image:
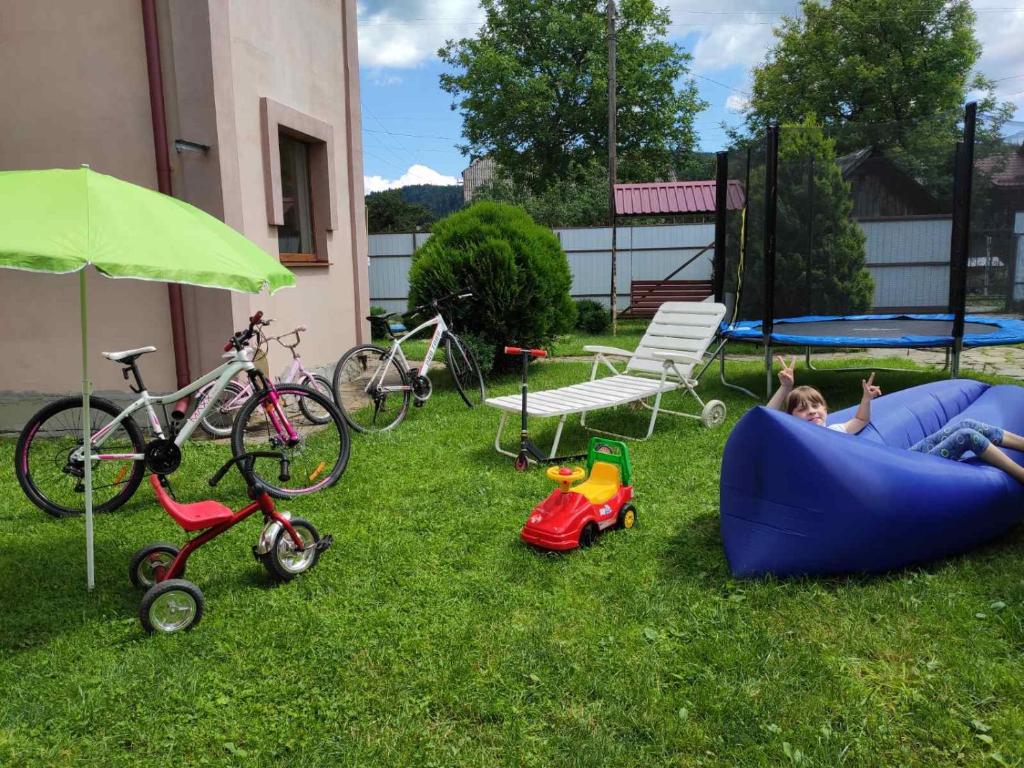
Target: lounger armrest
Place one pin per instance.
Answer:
(614, 351)
(675, 357)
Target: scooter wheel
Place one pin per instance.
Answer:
(521, 463)
(171, 606)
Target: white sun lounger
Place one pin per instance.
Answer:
(675, 342)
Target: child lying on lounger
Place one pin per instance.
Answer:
(950, 442)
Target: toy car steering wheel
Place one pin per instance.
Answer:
(565, 476)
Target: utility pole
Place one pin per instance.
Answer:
(612, 158)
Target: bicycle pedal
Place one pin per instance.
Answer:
(324, 543)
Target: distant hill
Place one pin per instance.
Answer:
(439, 200)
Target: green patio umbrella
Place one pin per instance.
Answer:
(64, 220)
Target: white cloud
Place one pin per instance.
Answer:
(417, 174)
(405, 33)
(1000, 33)
(737, 103)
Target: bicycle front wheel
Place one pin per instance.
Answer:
(323, 386)
(464, 370)
(372, 392)
(53, 476)
(309, 457)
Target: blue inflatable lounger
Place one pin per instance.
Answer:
(800, 499)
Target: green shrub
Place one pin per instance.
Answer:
(592, 317)
(515, 268)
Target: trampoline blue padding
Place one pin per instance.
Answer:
(926, 330)
(799, 499)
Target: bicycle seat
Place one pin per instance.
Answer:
(128, 356)
(194, 516)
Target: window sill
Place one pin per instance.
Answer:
(292, 263)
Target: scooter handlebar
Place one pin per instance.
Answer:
(521, 350)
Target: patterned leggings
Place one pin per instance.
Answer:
(952, 442)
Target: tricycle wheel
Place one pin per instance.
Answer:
(627, 516)
(143, 570)
(171, 606)
(285, 561)
(588, 535)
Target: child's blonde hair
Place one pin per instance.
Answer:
(804, 396)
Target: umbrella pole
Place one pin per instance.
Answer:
(90, 565)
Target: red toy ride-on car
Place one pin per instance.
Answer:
(573, 516)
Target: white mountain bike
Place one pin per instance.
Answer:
(373, 386)
(292, 455)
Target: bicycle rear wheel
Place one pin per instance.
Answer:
(221, 414)
(373, 396)
(50, 476)
(273, 420)
(464, 370)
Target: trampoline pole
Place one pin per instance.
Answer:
(771, 194)
(960, 238)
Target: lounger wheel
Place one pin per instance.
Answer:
(588, 535)
(171, 606)
(150, 563)
(713, 414)
(627, 516)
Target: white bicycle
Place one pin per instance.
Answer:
(373, 386)
(292, 455)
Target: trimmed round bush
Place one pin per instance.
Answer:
(515, 268)
(592, 317)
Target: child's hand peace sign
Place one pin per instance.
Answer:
(870, 390)
(787, 375)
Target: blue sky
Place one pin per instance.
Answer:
(410, 134)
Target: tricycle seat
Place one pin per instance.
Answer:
(194, 516)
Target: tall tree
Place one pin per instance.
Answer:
(388, 212)
(893, 74)
(532, 87)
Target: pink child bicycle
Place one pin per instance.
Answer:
(218, 420)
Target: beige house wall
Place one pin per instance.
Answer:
(295, 54)
(74, 91)
(77, 73)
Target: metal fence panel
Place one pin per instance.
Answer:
(907, 258)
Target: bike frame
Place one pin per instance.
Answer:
(396, 348)
(296, 372)
(241, 360)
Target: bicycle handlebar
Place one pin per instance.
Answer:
(525, 351)
(240, 338)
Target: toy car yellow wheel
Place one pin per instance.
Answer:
(627, 516)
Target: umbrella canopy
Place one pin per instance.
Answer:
(64, 220)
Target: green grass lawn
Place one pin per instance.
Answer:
(429, 636)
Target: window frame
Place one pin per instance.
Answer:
(276, 120)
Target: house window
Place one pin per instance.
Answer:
(295, 238)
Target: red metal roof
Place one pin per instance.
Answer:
(664, 197)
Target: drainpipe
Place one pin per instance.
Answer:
(163, 180)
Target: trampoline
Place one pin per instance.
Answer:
(869, 331)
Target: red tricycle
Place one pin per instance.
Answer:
(573, 516)
(287, 546)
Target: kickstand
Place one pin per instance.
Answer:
(167, 486)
